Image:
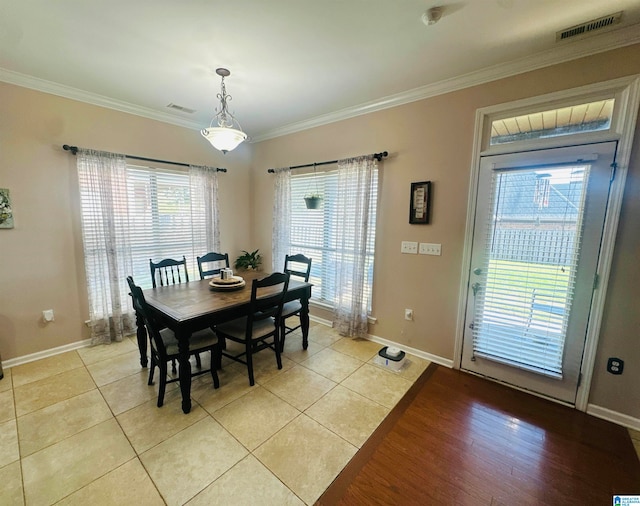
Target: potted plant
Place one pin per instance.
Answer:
(248, 261)
(313, 200)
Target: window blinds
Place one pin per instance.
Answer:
(532, 249)
(159, 214)
(315, 232)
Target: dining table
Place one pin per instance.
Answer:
(188, 307)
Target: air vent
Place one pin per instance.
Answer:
(181, 108)
(589, 26)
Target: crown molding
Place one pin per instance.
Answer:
(565, 51)
(37, 84)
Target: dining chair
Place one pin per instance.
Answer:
(298, 266)
(168, 271)
(164, 345)
(211, 258)
(259, 329)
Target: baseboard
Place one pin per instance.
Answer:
(407, 349)
(321, 321)
(613, 416)
(413, 351)
(12, 362)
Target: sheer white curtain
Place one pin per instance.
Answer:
(204, 195)
(281, 233)
(107, 250)
(356, 188)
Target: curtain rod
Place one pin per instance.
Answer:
(377, 156)
(74, 150)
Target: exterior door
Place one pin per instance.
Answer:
(537, 235)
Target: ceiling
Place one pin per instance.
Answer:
(294, 63)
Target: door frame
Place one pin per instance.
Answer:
(627, 94)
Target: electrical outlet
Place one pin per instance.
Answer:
(408, 314)
(427, 248)
(409, 247)
(615, 365)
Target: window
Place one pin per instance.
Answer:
(160, 214)
(314, 232)
(589, 117)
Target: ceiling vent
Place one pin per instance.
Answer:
(181, 108)
(589, 26)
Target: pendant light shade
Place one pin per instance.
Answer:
(225, 137)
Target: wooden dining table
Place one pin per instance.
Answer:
(187, 307)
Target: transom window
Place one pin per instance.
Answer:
(588, 117)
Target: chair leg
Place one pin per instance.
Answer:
(218, 358)
(216, 354)
(276, 347)
(250, 364)
(152, 368)
(283, 331)
(163, 384)
(198, 362)
(173, 366)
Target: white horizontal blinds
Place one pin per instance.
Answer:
(314, 232)
(522, 309)
(308, 230)
(161, 220)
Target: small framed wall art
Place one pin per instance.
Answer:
(6, 214)
(420, 208)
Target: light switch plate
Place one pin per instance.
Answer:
(427, 248)
(409, 247)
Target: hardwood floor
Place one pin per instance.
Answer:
(458, 439)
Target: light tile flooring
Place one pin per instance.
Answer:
(83, 427)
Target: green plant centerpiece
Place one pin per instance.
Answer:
(249, 261)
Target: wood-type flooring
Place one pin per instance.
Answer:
(459, 439)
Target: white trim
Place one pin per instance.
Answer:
(626, 129)
(560, 53)
(613, 416)
(628, 90)
(321, 321)
(25, 359)
(60, 90)
(468, 236)
(413, 351)
(386, 342)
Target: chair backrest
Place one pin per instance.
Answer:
(169, 271)
(267, 298)
(140, 305)
(212, 257)
(298, 265)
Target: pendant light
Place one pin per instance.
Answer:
(225, 137)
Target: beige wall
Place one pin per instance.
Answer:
(432, 140)
(41, 261)
(41, 264)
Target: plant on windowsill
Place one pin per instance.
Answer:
(249, 261)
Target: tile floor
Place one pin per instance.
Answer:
(83, 427)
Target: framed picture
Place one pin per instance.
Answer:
(6, 214)
(420, 209)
